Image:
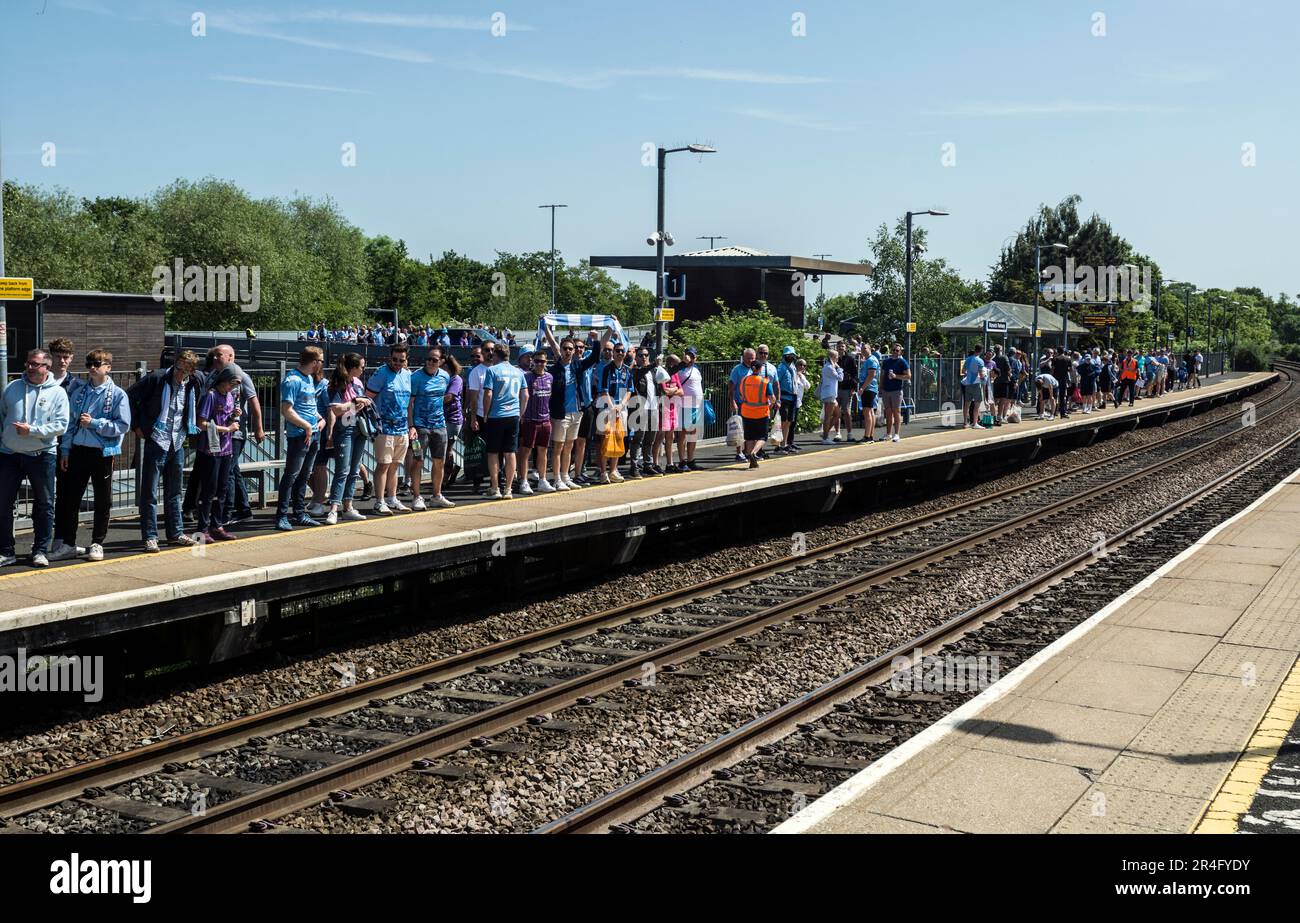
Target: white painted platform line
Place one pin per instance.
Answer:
(852, 789)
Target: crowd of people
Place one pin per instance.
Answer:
(390, 334)
(569, 413)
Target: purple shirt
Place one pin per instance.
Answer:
(455, 388)
(539, 398)
(218, 408)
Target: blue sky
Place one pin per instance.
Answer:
(460, 134)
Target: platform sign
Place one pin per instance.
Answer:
(1100, 320)
(16, 289)
(995, 326)
(674, 285)
(1170, 337)
(666, 314)
(911, 327)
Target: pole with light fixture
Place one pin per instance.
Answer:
(661, 237)
(552, 208)
(1038, 290)
(907, 298)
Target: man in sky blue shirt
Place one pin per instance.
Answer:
(869, 372)
(972, 386)
(505, 397)
(390, 388)
(302, 423)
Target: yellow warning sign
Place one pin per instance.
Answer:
(1038, 333)
(666, 314)
(16, 289)
(911, 327)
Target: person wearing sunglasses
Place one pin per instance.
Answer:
(570, 399)
(33, 415)
(428, 418)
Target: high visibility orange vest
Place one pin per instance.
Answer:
(1128, 370)
(753, 397)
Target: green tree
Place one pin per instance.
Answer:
(52, 238)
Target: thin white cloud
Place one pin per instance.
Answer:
(394, 20)
(791, 118)
(1057, 108)
(240, 27)
(258, 81)
(605, 77)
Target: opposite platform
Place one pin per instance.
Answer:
(1178, 694)
(88, 600)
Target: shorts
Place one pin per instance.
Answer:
(870, 401)
(755, 430)
(789, 411)
(670, 410)
(587, 425)
(535, 434)
(567, 427)
(972, 394)
(433, 442)
(603, 418)
(690, 419)
(1087, 388)
(389, 449)
(1002, 390)
(891, 400)
(501, 434)
(846, 399)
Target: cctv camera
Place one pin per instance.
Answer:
(668, 239)
(653, 239)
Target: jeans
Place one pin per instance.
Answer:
(299, 459)
(86, 464)
(234, 497)
(347, 459)
(1063, 399)
(1130, 387)
(171, 463)
(39, 472)
(212, 472)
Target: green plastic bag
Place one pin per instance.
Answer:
(476, 459)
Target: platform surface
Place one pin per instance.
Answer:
(128, 579)
(1163, 713)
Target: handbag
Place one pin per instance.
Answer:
(613, 445)
(710, 415)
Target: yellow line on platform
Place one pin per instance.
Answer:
(1223, 813)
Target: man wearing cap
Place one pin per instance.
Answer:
(785, 374)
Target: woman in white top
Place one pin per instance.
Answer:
(828, 391)
(692, 401)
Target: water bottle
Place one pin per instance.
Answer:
(415, 445)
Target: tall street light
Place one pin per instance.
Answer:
(1038, 289)
(552, 208)
(907, 297)
(661, 237)
(1235, 315)
(821, 295)
(1188, 290)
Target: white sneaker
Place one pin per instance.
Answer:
(316, 510)
(397, 505)
(837, 438)
(352, 514)
(381, 508)
(492, 494)
(561, 484)
(62, 552)
(151, 545)
(7, 559)
(96, 552)
(544, 487)
(40, 560)
(525, 489)
(418, 505)
(441, 502)
(828, 441)
(894, 438)
(508, 495)
(616, 477)
(604, 478)
(573, 485)
(332, 518)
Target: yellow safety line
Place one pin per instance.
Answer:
(1224, 811)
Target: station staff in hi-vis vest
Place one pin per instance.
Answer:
(757, 393)
(1128, 374)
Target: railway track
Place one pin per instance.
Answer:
(862, 704)
(337, 742)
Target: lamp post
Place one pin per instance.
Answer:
(661, 237)
(552, 208)
(1188, 290)
(907, 296)
(1038, 290)
(1235, 314)
(821, 294)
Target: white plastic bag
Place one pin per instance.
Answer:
(1013, 415)
(735, 431)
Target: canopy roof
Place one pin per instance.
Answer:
(1019, 319)
(737, 258)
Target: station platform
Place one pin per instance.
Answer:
(1169, 711)
(236, 581)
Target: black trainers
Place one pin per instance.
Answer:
(753, 461)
